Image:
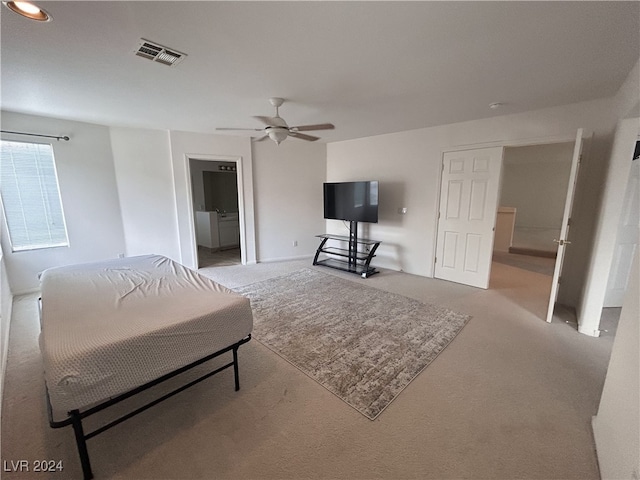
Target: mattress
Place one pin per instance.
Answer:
(109, 327)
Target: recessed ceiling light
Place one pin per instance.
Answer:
(495, 105)
(29, 10)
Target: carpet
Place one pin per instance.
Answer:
(543, 265)
(363, 344)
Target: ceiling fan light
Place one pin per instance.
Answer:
(278, 134)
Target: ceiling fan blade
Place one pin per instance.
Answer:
(273, 121)
(266, 120)
(319, 126)
(243, 129)
(302, 136)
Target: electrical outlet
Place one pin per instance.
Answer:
(121, 255)
(295, 243)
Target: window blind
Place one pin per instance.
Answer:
(30, 196)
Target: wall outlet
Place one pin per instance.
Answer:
(121, 255)
(295, 243)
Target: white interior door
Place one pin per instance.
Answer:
(626, 240)
(564, 230)
(468, 205)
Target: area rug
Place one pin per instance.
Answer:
(363, 344)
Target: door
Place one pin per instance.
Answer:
(626, 240)
(466, 220)
(564, 229)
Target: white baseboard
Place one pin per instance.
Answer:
(589, 331)
(284, 259)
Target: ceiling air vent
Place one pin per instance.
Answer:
(158, 53)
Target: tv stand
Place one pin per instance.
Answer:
(350, 259)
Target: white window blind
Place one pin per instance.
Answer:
(30, 196)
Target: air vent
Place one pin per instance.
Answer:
(158, 53)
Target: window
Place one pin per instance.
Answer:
(30, 196)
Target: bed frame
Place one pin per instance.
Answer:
(76, 416)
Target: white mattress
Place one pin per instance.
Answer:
(109, 327)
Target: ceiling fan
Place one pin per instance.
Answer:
(277, 129)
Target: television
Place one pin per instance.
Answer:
(351, 201)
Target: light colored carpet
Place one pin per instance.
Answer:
(511, 397)
(363, 344)
(543, 265)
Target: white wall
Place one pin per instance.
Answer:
(606, 228)
(155, 201)
(145, 187)
(598, 260)
(155, 188)
(400, 163)
(408, 164)
(534, 180)
(89, 198)
(617, 425)
(131, 184)
(288, 189)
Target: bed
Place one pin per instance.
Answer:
(99, 320)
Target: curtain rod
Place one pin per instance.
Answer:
(65, 138)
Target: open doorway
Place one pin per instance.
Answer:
(529, 220)
(470, 188)
(216, 207)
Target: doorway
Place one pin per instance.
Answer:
(530, 212)
(471, 183)
(216, 209)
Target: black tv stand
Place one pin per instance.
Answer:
(350, 259)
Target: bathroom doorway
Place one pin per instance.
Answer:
(214, 189)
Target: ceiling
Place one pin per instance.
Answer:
(368, 67)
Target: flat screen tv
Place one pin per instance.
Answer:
(351, 201)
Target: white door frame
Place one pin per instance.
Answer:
(241, 213)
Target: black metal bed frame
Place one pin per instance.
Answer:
(75, 416)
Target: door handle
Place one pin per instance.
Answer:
(562, 242)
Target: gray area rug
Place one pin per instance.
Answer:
(363, 344)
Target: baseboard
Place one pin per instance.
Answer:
(532, 252)
(284, 259)
(590, 332)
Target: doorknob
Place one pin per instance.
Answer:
(562, 242)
